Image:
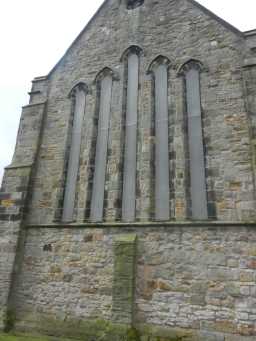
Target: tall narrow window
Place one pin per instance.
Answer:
(195, 142)
(129, 178)
(162, 169)
(78, 94)
(97, 203)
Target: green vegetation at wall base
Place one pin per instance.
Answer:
(9, 321)
(98, 330)
(10, 337)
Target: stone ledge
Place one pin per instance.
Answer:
(249, 62)
(34, 105)
(19, 165)
(10, 217)
(250, 33)
(36, 92)
(40, 79)
(171, 224)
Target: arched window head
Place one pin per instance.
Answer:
(106, 72)
(78, 87)
(189, 65)
(131, 4)
(133, 49)
(160, 60)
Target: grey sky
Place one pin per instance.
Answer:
(35, 34)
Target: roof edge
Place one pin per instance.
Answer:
(250, 32)
(217, 18)
(193, 2)
(39, 79)
(77, 38)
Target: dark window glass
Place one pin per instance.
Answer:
(131, 4)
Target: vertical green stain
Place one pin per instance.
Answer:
(124, 278)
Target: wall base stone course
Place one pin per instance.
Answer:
(88, 330)
(188, 277)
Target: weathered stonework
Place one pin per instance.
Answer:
(146, 280)
(124, 279)
(230, 184)
(192, 277)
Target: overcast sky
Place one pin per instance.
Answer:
(35, 34)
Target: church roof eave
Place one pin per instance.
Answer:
(217, 18)
(78, 37)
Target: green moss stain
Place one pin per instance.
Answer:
(133, 335)
(98, 330)
(158, 333)
(124, 278)
(112, 333)
(9, 321)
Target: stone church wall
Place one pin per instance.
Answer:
(174, 280)
(192, 277)
(225, 120)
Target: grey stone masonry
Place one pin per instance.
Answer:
(198, 277)
(14, 194)
(225, 121)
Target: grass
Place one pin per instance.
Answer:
(9, 337)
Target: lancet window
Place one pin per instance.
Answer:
(195, 141)
(131, 58)
(78, 97)
(159, 69)
(104, 82)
